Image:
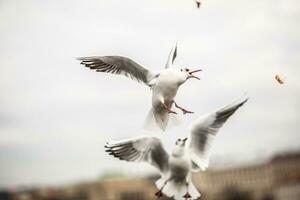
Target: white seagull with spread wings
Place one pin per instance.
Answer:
(190, 154)
(164, 84)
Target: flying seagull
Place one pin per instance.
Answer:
(189, 154)
(164, 84)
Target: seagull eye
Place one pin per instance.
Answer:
(187, 70)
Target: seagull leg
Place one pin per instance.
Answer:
(168, 109)
(187, 194)
(182, 109)
(159, 193)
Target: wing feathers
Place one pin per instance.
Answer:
(117, 65)
(203, 132)
(147, 149)
(172, 56)
(225, 113)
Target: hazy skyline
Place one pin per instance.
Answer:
(55, 115)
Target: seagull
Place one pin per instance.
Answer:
(164, 84)
(189, 154)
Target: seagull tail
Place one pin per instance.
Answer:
(161, 120)
(177, 189)
(174, 120)
(154, 121)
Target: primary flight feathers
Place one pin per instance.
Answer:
(172, 56)
(164, 84)
(146, 149)
(203, 132)
(117, 65)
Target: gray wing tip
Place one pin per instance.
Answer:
(82, 58)
(107, 145)
(238, 103)
(172, 55)
(243, 102)
(175, 53)
(89, 58)
(225, 113)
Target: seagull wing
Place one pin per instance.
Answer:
(117, 65)
(203, 132)
(142, 149)
(172, 56)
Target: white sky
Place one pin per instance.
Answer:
(55, 115)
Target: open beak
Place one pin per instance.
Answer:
(192, 75)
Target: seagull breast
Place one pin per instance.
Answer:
(179, 167)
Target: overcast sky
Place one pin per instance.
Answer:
(55, 115)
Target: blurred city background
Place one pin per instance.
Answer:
(277, 179)
(55, 115)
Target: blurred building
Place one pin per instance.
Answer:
(125, 189)
(278, 179)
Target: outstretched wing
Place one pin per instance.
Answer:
(117, 65)
(172, 56)
(203, 132)
(147, 149)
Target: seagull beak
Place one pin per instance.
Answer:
(184, 140)
(193, 76)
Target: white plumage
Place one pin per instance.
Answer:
(189, 154)
(164, 85)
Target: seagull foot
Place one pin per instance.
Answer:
(158, 194)
(187, 196)
(172, 112)
(168, 109)
(184, 111)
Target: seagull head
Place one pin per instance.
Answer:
(190, 73)
(181, 142)
(179, 149)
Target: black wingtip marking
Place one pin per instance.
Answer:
(175, 54)
(107, 145)
(223, 115)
